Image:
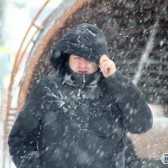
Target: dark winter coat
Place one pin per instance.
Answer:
(72, 122)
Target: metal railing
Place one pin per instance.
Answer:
(15, 80)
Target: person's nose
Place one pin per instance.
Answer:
(83, 63)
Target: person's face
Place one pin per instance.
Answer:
(82, 66)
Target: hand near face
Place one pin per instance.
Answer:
(107, 66)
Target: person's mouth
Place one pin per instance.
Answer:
(82, 72)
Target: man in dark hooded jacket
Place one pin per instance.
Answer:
(79, 116)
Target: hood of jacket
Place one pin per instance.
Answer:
(85, 40)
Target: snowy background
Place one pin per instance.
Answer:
(18, 15)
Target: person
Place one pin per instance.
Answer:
(79, 116)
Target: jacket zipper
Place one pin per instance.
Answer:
(79, 93)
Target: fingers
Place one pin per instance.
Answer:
(103, 58)
(107, 66)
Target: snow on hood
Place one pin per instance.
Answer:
(84, 40)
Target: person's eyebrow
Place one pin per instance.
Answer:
(76, 57)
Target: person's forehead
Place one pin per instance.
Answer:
(80, 57)
(76, 56)
(73, 55)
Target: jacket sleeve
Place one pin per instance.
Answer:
(136, 114)
(132, 160)
(23, 138)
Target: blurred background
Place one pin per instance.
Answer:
(16, 17)
(137, 35)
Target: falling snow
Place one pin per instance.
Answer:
(94, 118)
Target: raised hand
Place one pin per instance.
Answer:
(107, 66)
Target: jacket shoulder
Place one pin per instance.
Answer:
(43, 84)
(46, 80)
